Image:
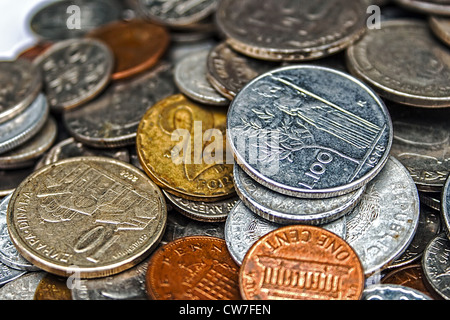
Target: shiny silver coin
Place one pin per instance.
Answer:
(20, 83)
(25, 126)
(309, 132)
(392, 292)
(190, 78)
(8, 274)
(282, 209)
(22, 288)
(243, 228)
(438, 7)
(384, 223)
(75, 71)
(112, 119)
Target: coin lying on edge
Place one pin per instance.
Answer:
(89, 217)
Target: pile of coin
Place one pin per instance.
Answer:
(227, 150)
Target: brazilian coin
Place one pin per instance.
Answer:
(309, 131)
(86, 217)
(297, 30)
(414, 68)
(437, 7)
(441, 28)
(75, 71)
(392, 292)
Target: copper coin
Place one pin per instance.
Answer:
(193, 268)
(53, 288)
(34, 51)
(137, 45)
(301, 263)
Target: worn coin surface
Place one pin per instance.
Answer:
(190, 78)
(21, 83)
(384, 223)
(309, 131)
(52, 288)
(393, 292)
(441, 28)
(88, 216)
(299, 30)
(414, 66)
(301, 263)
(437, 7)
(445, 206)
(75, 71)
(283, 209)
(137, 45)
(175, 149)
(111, 120)
(22, 288)
(193, 268)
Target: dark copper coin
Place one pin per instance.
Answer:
(193, 268)
(137, 45)
(52, 288)
(34, 51)
(301, 263)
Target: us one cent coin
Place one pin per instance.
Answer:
(52, 288)
(441, 28)
(193, 268)
(175, 149)
(300, 30)
(413, 69)
(437, 7)
(86, 217)
(35, 51)
(302, 263)
(137, 45)
(309, 131)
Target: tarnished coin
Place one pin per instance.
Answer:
(66, 19)
(52, 288)
(301, 263)
(441, 27)
(88, 216)
(111, 120)
(384, 223)
(436, 265)
(23, 288)
(190, 78)
(437, 7)
(309, 131)
(177, 13)
(229, 71)
(175, 149)
(193, 268)
(414, 66)
(299, 30)
(243, 228)
(393, 292)
(445, 206)
(24, 126)
(137, 45)
(21, 83)
(75, 71)
(282, 209)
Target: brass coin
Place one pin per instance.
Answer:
(86, 216)
(172, 140)
(52, 288)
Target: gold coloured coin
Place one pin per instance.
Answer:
(86, 217)
(182, 146)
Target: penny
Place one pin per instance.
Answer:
(413, 69)
(243, 228)
(22, 288)
(384, 223)
(137, 45)
(112, 119)
(75, 71)
(282, 209)
(203, 211)
(190, 78)
(193, 268)
(26, 154)
(57, 20)
(445, 206)
(52, 288)
(25, 126)
(392, 292)
(21, 84)
(441, 28)
(438, 7)
(174, 148)
(35, 51)
(88, 216)
(229, 71)
(435, 265)
(301, 263)
(295, 31)
(309, 131)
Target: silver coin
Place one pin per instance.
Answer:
(309, 131)
(21, 82)
(243, 228)
(438, 7)
(25, 126)
(431, 200)
(26, 154)
(384, 223)
(111, 120)
(75, 71)
(392, 292)
(445, 206)
(8, 252)
(23, 288)
(178, 51)
(202, 211)
(190, 78)
(8, 274)
(282, 209)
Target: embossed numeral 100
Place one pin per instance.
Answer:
(96, 241)
(318, 168)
